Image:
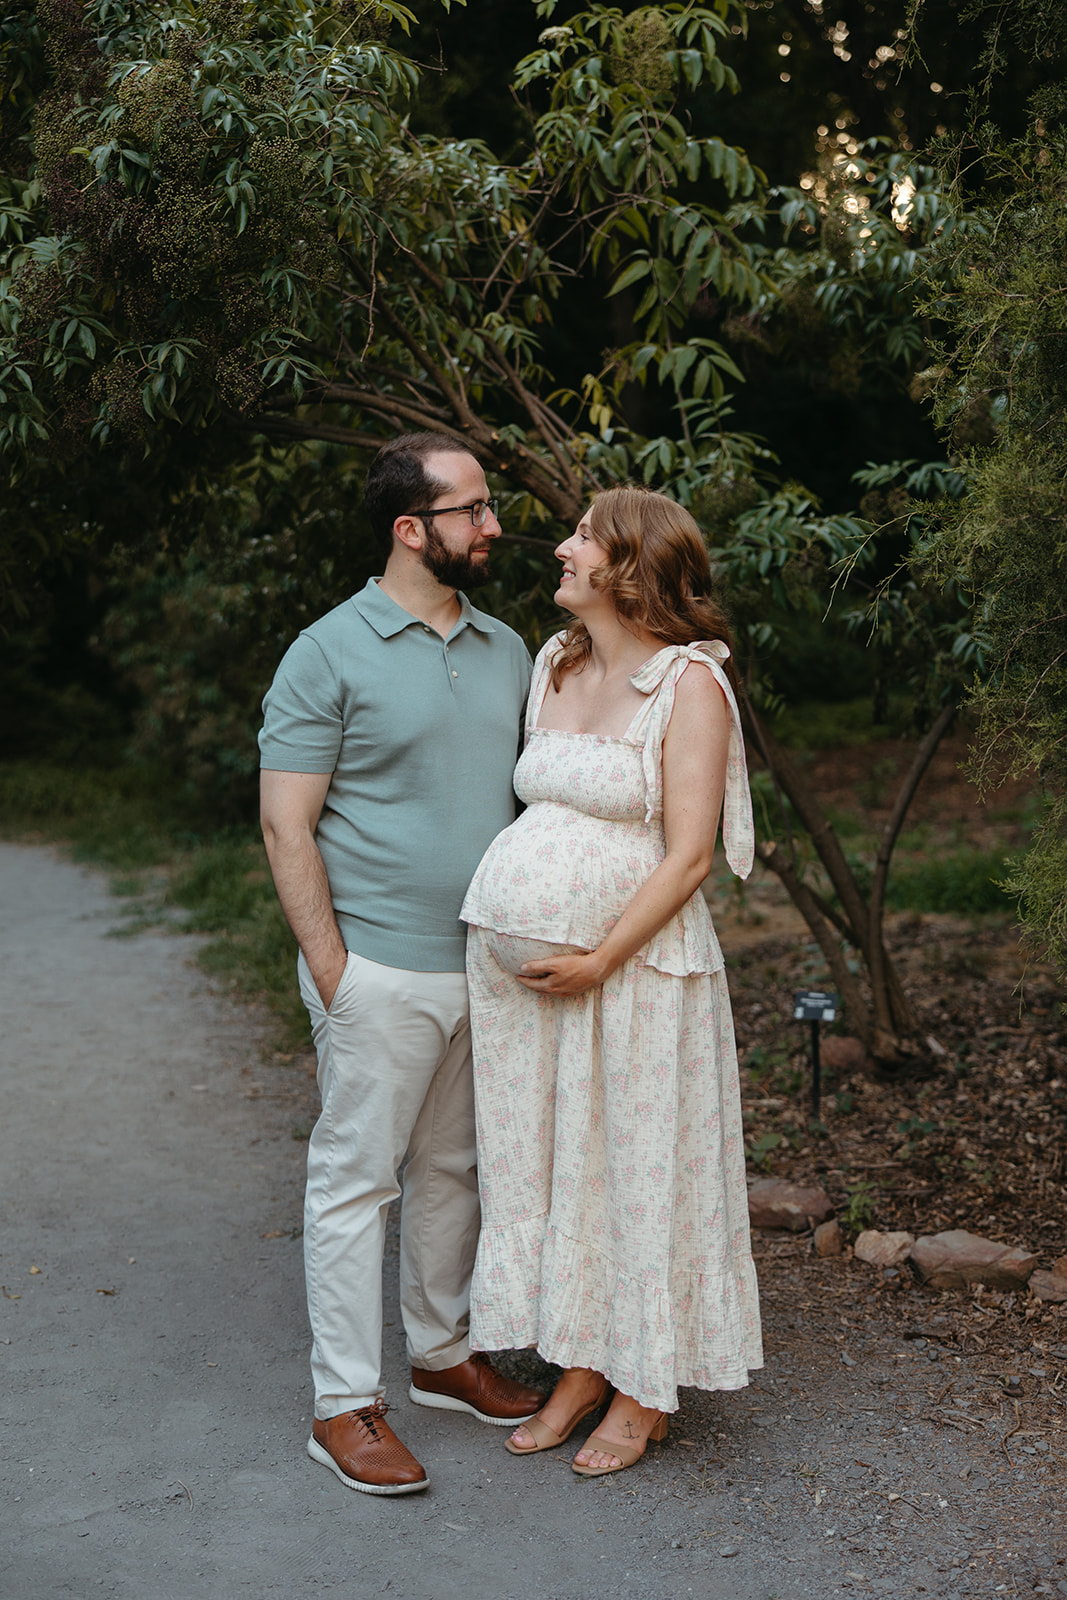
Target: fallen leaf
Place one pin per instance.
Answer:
(10, 1296)
(107, 1291)
(275, 1233)
(35, 1271)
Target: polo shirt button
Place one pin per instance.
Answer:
(455, 674)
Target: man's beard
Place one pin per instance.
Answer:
(454, 571)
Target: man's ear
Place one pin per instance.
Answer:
(410, 532)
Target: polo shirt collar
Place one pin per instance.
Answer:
(387, 618)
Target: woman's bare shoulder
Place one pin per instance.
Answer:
(699, 688)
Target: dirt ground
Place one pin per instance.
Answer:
(153, 1333)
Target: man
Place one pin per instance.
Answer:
(387, 750)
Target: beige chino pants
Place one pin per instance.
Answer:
(394, 1072)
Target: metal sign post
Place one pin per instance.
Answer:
(809, 1005)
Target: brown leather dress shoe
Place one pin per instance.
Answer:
(473, 1386)
(365, 1453)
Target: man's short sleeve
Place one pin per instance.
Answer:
(302, 713)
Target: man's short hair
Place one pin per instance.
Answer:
(398, 481)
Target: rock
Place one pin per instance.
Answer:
(1059, 1268)
(730, 1550)
(776, 1203)
(1050, 1286)
(955, 1259)
(882, 1249)
(849, 1361)
(829, 1240)
(839, 1053)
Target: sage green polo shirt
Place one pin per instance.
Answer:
(421, 735)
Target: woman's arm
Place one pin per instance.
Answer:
(694, 778)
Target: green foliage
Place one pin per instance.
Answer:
(859, 1208)
(1005, 542)
(124, 820)
(1038, 879)
(772, 1070)
(195, 631)
(817, 725)
(172, 220)
(224, 216)
(872, 219)
(759, 1152)
(963, 882)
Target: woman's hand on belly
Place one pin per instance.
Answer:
(563, 975)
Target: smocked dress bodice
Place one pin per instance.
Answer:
(592, 832)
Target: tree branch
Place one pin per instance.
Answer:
(291, 428)
(774, 857)
(823, 837)
(887, 1013)
(892, 1009)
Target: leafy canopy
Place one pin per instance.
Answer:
(220, 214)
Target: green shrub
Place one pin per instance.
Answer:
(966, 882)
(824, 725)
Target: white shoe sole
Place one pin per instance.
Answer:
(447, 1402)
(317, 1453)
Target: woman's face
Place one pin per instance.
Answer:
(580, 554)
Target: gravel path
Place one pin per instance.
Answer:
(153, 1337)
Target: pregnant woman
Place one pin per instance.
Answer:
(614, 1214)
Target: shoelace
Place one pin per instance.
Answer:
(370, 1416)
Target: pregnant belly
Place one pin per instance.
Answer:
(561, 875)
(512, 951)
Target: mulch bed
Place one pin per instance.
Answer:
(971, 1139)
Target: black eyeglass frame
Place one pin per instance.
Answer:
(439, 511)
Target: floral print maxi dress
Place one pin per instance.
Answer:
(611, 1163)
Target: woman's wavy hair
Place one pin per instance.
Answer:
(657, 573)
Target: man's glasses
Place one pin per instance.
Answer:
(478, 510)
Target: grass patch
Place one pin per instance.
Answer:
(127, 821)
(123, 820)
